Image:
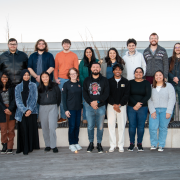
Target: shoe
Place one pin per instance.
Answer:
(131, 147)
(78, 147)
(90, 147)
(99, 148)
(121, 149)
(55, 150)
(139, 147)
(160, 149)
(9, 151)
(72, 147)
(111, 149)
(47, 149)
(84, 121)
(153, 148)
(61, 120)
(4, 148)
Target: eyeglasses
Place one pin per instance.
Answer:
(13, 44)
(177, 47)
(4, 77)
(73, 74)
(41, 44)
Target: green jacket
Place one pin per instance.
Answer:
(83, 71)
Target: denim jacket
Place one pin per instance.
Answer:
(31, 101)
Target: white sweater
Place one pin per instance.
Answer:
(132, 62)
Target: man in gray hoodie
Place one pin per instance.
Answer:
(156, 58)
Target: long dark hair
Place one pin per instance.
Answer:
(41, 87)
(93, 58)
(8, 84)
(118, 57)
(154, 81)
(173, 59)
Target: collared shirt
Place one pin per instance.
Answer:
(131, 54)
(153, 52)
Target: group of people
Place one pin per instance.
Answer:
(121, 87)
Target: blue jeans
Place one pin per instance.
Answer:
(95, 117)
(37, 84)
(160, 122)
(61, 104)
(84, 108)
(74, 123)
(136, 120)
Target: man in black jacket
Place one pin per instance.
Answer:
(118, 97)
(95, 93)
(156, 58)
(13, 61)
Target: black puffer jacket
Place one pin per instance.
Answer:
(13, 64)
(12, 106)
(50, 97)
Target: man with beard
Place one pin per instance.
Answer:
(64, 60)
(156, 58)
(13, 61)
(41, 60)
(95, 93)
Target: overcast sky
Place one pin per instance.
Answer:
(106, 20)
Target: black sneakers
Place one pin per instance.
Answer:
(99, 148)
(9, 151)
(139, 147)
(131, 147)
(47, 149)
(90, 147)
(55, 150)
(4, 148)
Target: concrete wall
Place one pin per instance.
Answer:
(172, 140)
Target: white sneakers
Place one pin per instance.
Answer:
(78, 147)
(75, 147)
(111, 149)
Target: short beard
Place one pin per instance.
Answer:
(154, 44)
(41, 49)
(95, 73)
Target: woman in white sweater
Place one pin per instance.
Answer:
(161, 106)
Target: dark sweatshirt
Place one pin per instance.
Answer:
(72, 96)
(96, 90)
(139, 92)
(119, 92)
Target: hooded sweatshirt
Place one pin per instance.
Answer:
(132, 62)
(96, 90)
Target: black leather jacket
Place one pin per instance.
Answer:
(13, 64)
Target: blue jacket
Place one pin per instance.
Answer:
(31, 101)
(47, 59)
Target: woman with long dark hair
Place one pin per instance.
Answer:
(49, 98)
(111, 59)
(174, 70)
(85, 70)
(137, 110)
(26, 114)
(72, 103)
(7, 113)
(161, 106)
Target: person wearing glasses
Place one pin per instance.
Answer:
(174, 71)
(13, 61)
(72, 104)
